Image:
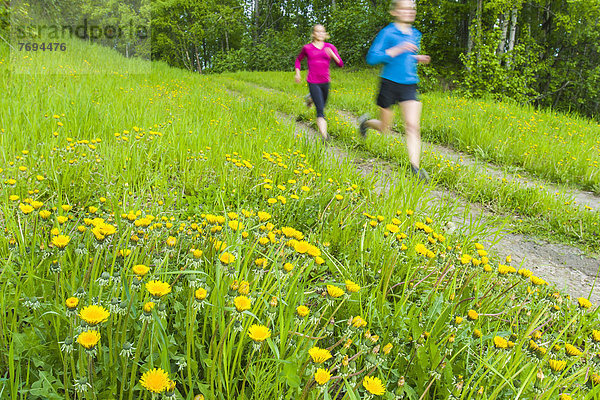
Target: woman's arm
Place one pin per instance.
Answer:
(333, 53)
(298, 64)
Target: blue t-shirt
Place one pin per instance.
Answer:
(403, 67)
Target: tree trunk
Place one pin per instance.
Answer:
(256, 20)
(198, 65)
(513, 34)
(503, 35)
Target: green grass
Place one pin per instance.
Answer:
(174, 171)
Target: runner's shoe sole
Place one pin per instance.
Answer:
(362, 127)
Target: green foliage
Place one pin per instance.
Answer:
(275, 51)
(510, 75)
(353, 28)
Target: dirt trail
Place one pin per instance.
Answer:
(565, 266)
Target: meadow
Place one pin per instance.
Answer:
(167, 235)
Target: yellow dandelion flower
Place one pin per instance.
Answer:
(584, 303)
(387, 348)
(227, 258)
(595, 335)
(352, 287)
(322, 376)
(537, 281)
(200, 294)
(334, 291)
(313, 251)
(472, 315)
(525, 272)
(288, 267)
(171, 241)
(148, 307)
(94, 314)
(477, 333)
(244, 288)
(259, 333)
(263, 216)
(242, 303)
(393, 228)
(158, 288)
(45, 214)
(88, 339)
(500, 342)
(302, 311)
(261, 262)
(235, 225)
(358, 322)
(506, 269)
(61, 241)
(155, 380)
(595, 378)
(557, 365)
(72, 303)
(572, 350)
(319, 355)
(301, 246)
(25, 208)
(374, 385)
(140, 269)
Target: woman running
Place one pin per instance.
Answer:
(318, 53)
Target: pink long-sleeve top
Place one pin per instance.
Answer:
(318, 62)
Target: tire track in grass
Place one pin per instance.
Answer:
(565, 266)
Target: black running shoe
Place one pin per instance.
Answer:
(362, 125)
(308, 100)
(420, 173)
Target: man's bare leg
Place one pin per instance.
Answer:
(411, 111)
(383, 124)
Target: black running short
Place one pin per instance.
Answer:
(391, 92)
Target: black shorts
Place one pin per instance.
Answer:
(391, 92)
